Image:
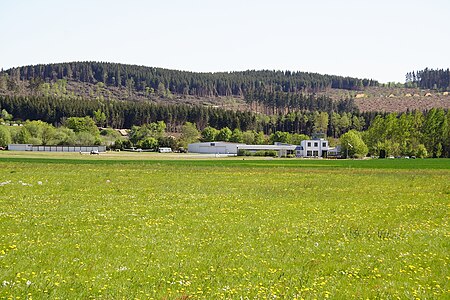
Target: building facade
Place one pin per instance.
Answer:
(29, 147)
(308, 148)
(214, 148)
(313, 148)
(282, 150)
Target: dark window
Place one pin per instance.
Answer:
(213, 144)
(308, 153)
(309, 144)
(316, 144)
(316, 153)
(324, 144)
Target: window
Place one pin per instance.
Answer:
(308, 153)
(316, 153)
(309, 144)
(213, 144)
(316, 144)
(324, 144)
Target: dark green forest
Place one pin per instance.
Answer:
(422, 134)
(148, 79)
(438, 79)
(125, 114)
(285, 102)
(278, 101)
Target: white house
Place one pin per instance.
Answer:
(214, 148)
(313, 148)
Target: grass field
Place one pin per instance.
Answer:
(142, 227)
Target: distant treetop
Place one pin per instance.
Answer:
(438, 79)
(159, 80)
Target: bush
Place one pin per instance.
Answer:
(258, 153)
(122, 144)
(118, 144)
(5, 136)
(421, 151)
(353, 145)
(244, 153)
(266, 153)
(148, 143)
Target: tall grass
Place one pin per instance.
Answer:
(223, 230)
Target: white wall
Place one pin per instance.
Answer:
(27, 147)
(316, 147)
(213, 148)
(19, 147)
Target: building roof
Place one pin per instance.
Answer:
(267, 147)
(123, 132)
(216, 143)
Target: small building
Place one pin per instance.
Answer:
(214, 148)
(165, 150)
(313, 148)
(123, 132)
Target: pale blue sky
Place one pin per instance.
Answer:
(372, 39)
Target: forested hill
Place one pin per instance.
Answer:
(159, 80)
(264, 91)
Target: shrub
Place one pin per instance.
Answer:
(5, 136)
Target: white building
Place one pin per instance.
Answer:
(214, 148)
(165, 150)
(20, 147)
(29, 147)
(313, 148)
(307, 148)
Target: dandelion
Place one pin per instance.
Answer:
(28, 283)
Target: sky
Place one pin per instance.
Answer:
(382, 39)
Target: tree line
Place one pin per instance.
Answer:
(413, 133)
(438, 79)
(274, 102)
(75, 131)
(159, 80)
(125, 114)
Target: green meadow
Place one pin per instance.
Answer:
(138, 227)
